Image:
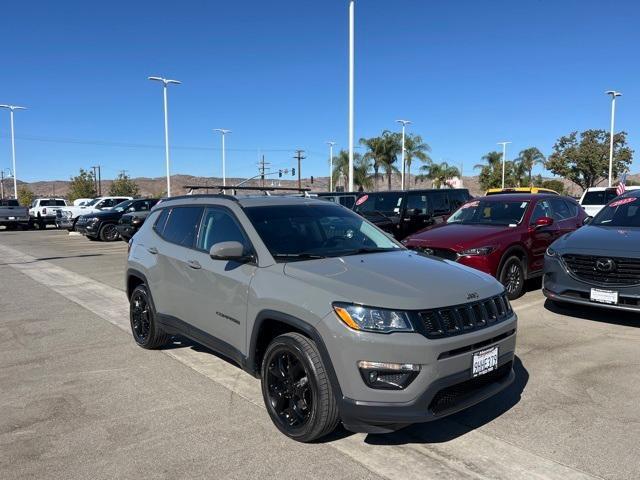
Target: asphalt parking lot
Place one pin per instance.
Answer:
(80, 400)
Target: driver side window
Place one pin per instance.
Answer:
(218, 226)
(541, 210)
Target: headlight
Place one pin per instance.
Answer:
(136, 221)
(66, 214)
(475, 252)
(373, 319)
(551, 252)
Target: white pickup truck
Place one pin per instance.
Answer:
(67, 217)
(43, 211)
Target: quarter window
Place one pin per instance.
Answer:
(560, 209)
(219, 226)
(440, 202)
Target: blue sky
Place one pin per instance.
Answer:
(467, 73)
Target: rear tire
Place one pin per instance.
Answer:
(142, 316)
(512, 277)
(296, 388)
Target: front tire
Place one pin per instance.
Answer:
(512, 277)
(109, 233)
(142, 316)
(296, 388)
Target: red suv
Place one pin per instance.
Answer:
(503, 235)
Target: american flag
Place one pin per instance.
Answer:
(621, 184)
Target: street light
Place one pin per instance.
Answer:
(613, 94)
(404, 123)
(2, 180)
(223, 132)
(331, 144)
(13, 108)
(504, 158)
(351, 75)
(166, 82)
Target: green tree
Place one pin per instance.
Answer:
(82, 185)
(383, 152)
(414, 147)
(361, 170)
(527, 159)
(585, 161)
(374, 155)
(124, 186)
(438, 173)
(555, 185)
(25, 196)
(491, 171)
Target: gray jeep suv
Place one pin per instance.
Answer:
(339, 321)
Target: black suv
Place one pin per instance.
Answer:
(102, 225)
(403, 213)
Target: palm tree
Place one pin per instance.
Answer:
(491, 171)
(414, 147)
(438, 173)
(374, 154)
(361, 169)
(529, 158)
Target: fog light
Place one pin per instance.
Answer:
(388, 376)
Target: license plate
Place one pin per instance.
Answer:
(12, 218)
(485, 361)
(604, 296)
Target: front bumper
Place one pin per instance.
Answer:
(443, 386)
(126, 231)
(88, 229)
(560, 286)
(64, 222)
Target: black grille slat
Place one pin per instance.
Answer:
(626, 271)
(455, 320)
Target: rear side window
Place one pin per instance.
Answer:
(9, 203)
(416, 201)
(457, 198)
(601, 197)
(218, 225)
(573, 207)
(181, 225)
(440, 202)
(560, 209)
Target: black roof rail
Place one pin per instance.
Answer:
(245, 187)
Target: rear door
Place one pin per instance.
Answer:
(440, 207)
(417, 214)
(563, 215)
(219, 289)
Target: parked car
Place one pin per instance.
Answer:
(595, 198)
(600, 263)
(333, 315)
(67, 217)
(499, 191)
(43, 211)
(12, 215)
(346, 199)
(78, 202)
(502, 235)
(103, 225)
(402, 213)
(130, 223)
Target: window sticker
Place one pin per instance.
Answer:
(523, 204)
(471, 204)
(362, 199)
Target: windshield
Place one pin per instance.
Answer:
(122, 206)
(386, 203)
(316, 231)
(623, 212)
(486, 212)
(92, 202)
(601, 197)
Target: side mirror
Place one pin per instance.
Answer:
(587, 220)
(228, 251)
(543, 222)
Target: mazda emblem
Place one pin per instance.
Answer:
(605, 265)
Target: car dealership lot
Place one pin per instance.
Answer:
(82, 400)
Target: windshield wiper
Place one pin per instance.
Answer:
(301, 256)
(369, 250)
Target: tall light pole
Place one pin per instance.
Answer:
(613, 94)
(404, 123)
(165, 83)
(351, 75)
(223, 132)
(331, 144)
(13, 108)
(504, 158)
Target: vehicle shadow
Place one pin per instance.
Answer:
(594, 314)
(532, 284)
(182, 342)
(44, 259)
(459, 424)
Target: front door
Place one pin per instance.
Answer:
(541, 237)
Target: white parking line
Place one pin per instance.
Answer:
(474, 455)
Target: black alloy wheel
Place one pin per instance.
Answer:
(512, 277)
(145, 331)
(289, 390)
(109, 233)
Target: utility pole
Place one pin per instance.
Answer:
(351, 89)
(1, 184)
(262, 169)
(613, 94)
(504, 158)
(299, 156)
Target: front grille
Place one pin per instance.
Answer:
(459, 319)
(439, 252)
(624, 271)
(450, 397)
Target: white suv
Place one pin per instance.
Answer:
(67, 217)
(595, 198)
(43, 211)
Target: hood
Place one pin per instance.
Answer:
(601, 240)
(106, 214)
(402, 280)
(457, 236)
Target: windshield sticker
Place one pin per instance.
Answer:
(523, 204)
(362, 199)
(622, 201)
(471, 204)
(513, 225)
